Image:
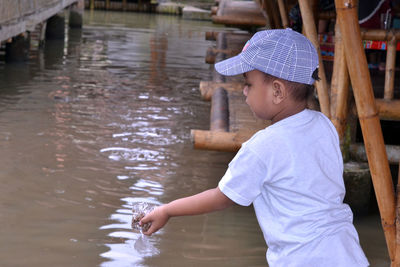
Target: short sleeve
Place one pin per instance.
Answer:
(244, 178)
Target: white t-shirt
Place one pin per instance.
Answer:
(292, 173)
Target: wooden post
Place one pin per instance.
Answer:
(368, 115)
(339, 86)
(311, 33)
(390, 68)
(219, 116)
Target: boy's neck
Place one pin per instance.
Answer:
(289, 110)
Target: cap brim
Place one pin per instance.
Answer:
(232, 66)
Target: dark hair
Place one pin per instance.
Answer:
(299, 91)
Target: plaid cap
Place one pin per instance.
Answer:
(282, 53)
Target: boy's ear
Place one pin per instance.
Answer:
(279, 91)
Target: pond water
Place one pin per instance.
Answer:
(93, 124)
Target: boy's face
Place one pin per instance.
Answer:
(260, 95)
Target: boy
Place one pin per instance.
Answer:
(292, 170)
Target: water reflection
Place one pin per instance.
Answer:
(135, 245)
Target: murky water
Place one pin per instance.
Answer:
(98, 122)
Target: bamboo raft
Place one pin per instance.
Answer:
(232, 123)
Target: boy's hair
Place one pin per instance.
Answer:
(298, 91)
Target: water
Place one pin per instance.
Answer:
(98, 122)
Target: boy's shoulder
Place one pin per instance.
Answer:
(299, 125)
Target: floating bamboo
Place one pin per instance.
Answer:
(239, 13)
(219, 141)
(212, 53)
(207, 88)
(311, 33)
(368, 116)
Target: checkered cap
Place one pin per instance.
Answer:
(282, 53)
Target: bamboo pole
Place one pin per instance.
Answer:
(390, 69)
(283, 12)
(311, 32)
(397, 255)
(207, 88)
(270, 8)
(368, 116)
(219, 141)
(389, 110)
(339, 86)
(379, 34)
(91, 4)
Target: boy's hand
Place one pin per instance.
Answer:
(158, 218)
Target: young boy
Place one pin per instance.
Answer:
(292, 170)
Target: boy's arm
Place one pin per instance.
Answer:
(204, 202)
